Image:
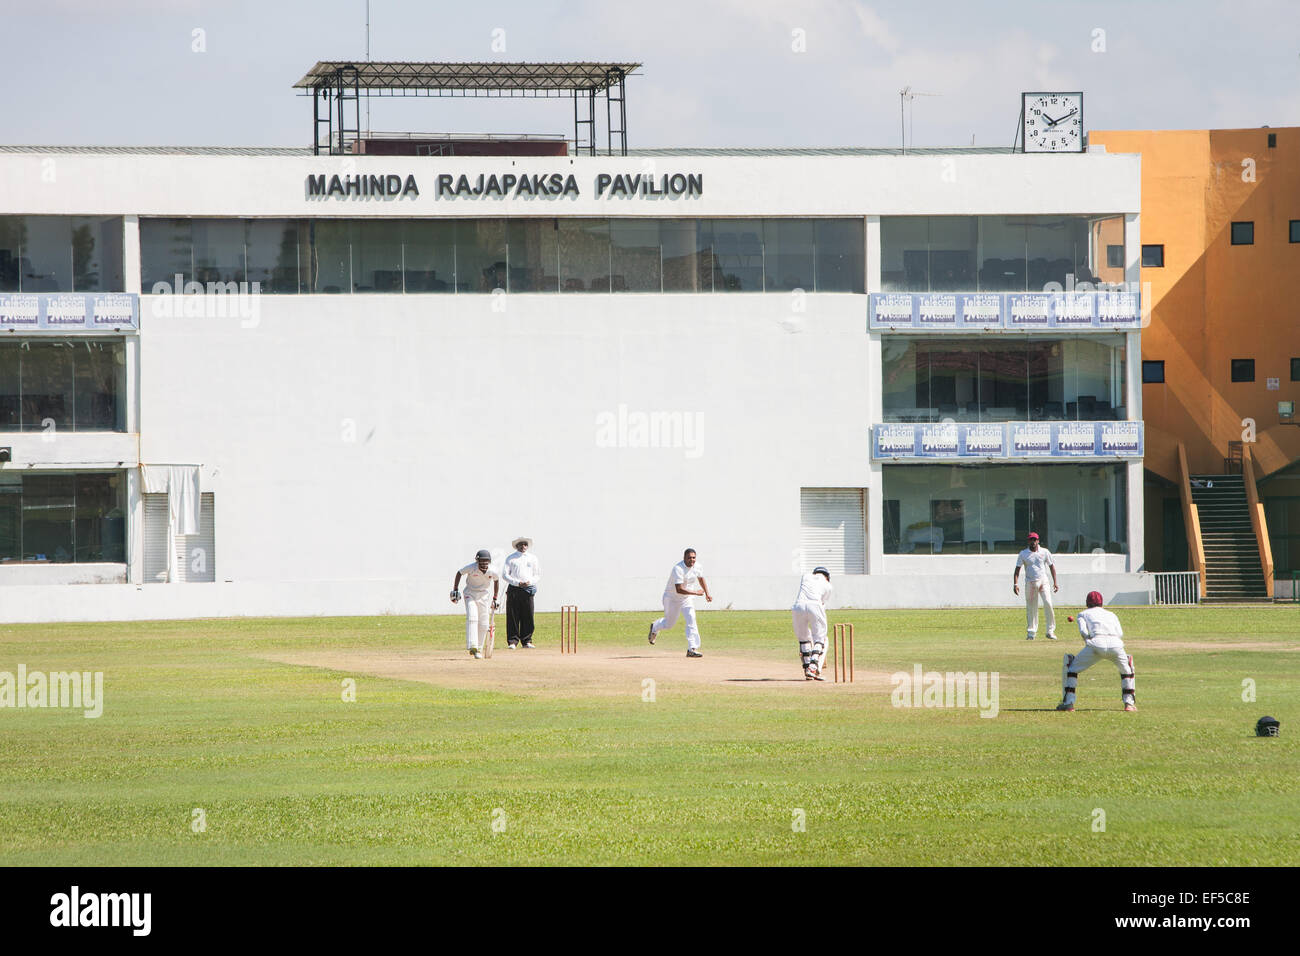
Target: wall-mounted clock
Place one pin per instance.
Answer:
(1051, 122)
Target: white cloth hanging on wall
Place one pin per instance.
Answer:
(181, 485)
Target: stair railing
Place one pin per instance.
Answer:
(1257, 521)
(1191, 520)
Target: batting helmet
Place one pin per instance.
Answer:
(484, 555)
(1266, 727)
(1093, 599)
(820, 570)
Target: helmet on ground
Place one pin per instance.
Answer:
(1267, 727)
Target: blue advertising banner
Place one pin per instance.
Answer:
(954, 441)
(1016, 311)
(60, 312)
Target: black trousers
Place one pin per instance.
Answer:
(519, 615)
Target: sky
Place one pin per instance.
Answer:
(715, 72)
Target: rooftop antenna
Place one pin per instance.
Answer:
(905, 96)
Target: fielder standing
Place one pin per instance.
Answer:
(1037, 562)
(478, 605)
(685, 583)
(521, 571)
(1103, 639)
(809, 614)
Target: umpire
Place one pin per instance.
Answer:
(522, 571)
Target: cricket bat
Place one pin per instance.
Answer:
(490, 641)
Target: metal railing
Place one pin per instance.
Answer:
(1175, 587)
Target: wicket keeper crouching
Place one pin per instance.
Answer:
(1103, 640)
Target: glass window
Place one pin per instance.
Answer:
(11, 245)
(480, 255)
(429, 254)
(100, 531)
(10, 385)
(1294, 230)
(1295, 370)
(534, 256)
(1243, 370)
(1153, 372)
(899, 368)
(1055, 250)
(219, 252)
(953, 245)
(166, 250)
(635, 255)
(687, 255)
(1002, 254)
(737, 255)
(1153, 257)
(1115, 256)
(1243, 233)
(376, 255)
(788, 246)
(48, 516)
(905, 253)
(47, 386)
(584, 255)
(330, 262)
(97, 254)
(273, 254)
(11, 517)
(989, 509)
(46, 261)
(841, 259)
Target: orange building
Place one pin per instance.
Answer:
(1220, 228)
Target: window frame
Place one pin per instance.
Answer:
(1153, 265)
(1233, 366)
(1232, 233)
(1153, 364)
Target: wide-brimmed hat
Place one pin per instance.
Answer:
(516, 542)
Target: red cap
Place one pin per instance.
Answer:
(1033, 535)
(1094, 599)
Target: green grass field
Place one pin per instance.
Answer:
(418, 771)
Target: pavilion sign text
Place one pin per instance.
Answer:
(512, 185)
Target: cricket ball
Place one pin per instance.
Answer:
(1070, 619)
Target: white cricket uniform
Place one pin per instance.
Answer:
(809, 617)
(1038, 586)
(683, 604)
(476, 591)
(1103, 640)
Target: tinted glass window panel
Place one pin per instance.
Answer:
(788, 254)
(1002, 254)
(635, 255)
(534, 256)
(46, 261)
(330, 265)
(48, 518)
(737, 255)
(47, 377)
(584, 255)
(1295, 370)
(219, 252)
(376, 256)
(10, 390)
(272, 246)
(905, 253)
(840, 255)
(11, 241)
(1294, 235)
(1243, 370)
(97, 254)
(429, 253)
(480, 255)
(99, 367)
(100, 530)
(1243, 233)
(1056, 249)
(687, 255)
(11, 518)
(953, 248)
(166, 250)
(898, 372)
(1153, 257)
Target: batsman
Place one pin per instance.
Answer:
(478, 606)
(1103, 639)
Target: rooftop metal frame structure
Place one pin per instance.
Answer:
(334, 84)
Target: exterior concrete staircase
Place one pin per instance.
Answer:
(1233, 574)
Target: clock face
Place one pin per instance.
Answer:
(1053, 122)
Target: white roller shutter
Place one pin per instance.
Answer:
(155, 538)
(196, 554)
(833, 530)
